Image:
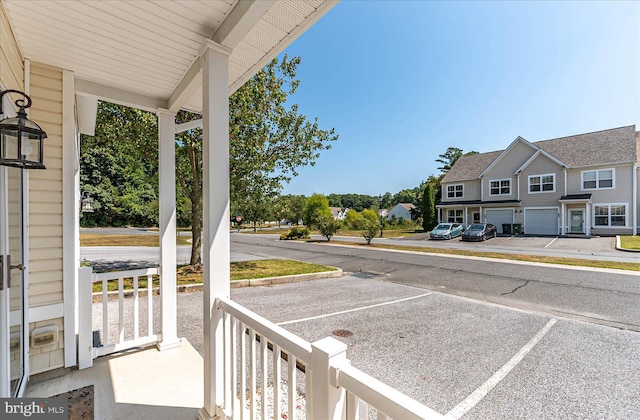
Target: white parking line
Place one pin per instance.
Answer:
(352, 310)
(463, 407)
(554, 239)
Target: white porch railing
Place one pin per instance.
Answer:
(130, 332)
(333, 389)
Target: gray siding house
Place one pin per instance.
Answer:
(585, 184)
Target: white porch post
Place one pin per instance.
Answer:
(71, 217)
(587, 207)
(563, 214)
(167, 188)
(216, 246)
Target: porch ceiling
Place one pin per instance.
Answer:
(148, 47)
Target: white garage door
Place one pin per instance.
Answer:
(498, 217)
(541, 221)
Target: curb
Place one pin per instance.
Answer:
(619, 248)
(268, 281)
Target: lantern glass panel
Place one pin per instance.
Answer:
(10, 145)
(31, 147)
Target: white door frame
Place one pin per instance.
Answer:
(582, 212)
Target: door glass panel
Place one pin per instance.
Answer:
(577, 221)
(16, 291)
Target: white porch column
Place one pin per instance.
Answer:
(563, 214)
(167, 192)
(587, 229)
(216, 246)
(70, 218)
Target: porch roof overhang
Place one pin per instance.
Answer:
(146, 54)
(576, 198)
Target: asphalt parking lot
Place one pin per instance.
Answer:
(461, 357)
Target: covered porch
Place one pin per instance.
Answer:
(163, 58)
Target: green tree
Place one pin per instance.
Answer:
(328, 226)
(295, 208)
(429, 215)
(450, 156)
(118, 166)
(370, 225)
(353, 220)
(315, 208)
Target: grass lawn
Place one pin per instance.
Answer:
(91, 239)
(244, 270)
(516, 257)
(630, 242)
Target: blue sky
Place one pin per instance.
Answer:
(403, 80)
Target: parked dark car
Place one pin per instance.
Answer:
(479, 232)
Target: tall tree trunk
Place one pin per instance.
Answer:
(196, 233)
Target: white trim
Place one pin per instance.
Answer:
(597, 171)
(167, 192)
(40, 313)
(584, 222)
(535, 155)
(119, 96)
(564, 171)
(500, 186)
(216, 236)
(240, 20)
(454, 191)
(634, 189)
(507, 150)
(189, 125)
(541, 183)
(188, 85)
(71, 218)
(323, 9)
(610, 226)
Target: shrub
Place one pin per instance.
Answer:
(295, 233)
(328, 226)
(369, 230)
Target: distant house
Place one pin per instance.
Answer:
(585, 184)
(401, 210)
(338, 213)
(383, 212)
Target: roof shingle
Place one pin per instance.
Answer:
(606, 147)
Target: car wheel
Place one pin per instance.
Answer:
(484, 238)
(447, 237)
(495, 233)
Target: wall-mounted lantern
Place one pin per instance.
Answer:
(86, 202)
(21, 140)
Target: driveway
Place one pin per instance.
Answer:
(461, 357)
(595, 248)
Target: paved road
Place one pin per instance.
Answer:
(606, 297)
(430, 326)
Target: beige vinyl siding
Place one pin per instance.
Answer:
(470, 189)
(505, 169)
(623, 184)
(45, 233)
(11, 62)
(541, 165)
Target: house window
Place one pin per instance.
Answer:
(610, 215)
(542, 183)
(601, 179)
(500, 187)
(455, 191)
(455, 216)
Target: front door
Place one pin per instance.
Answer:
(577, 221)
(13, 327)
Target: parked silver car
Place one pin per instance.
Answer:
(446, 231)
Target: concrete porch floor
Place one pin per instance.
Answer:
(142, 384)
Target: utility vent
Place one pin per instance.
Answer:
(43, 336)
(363, 275)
